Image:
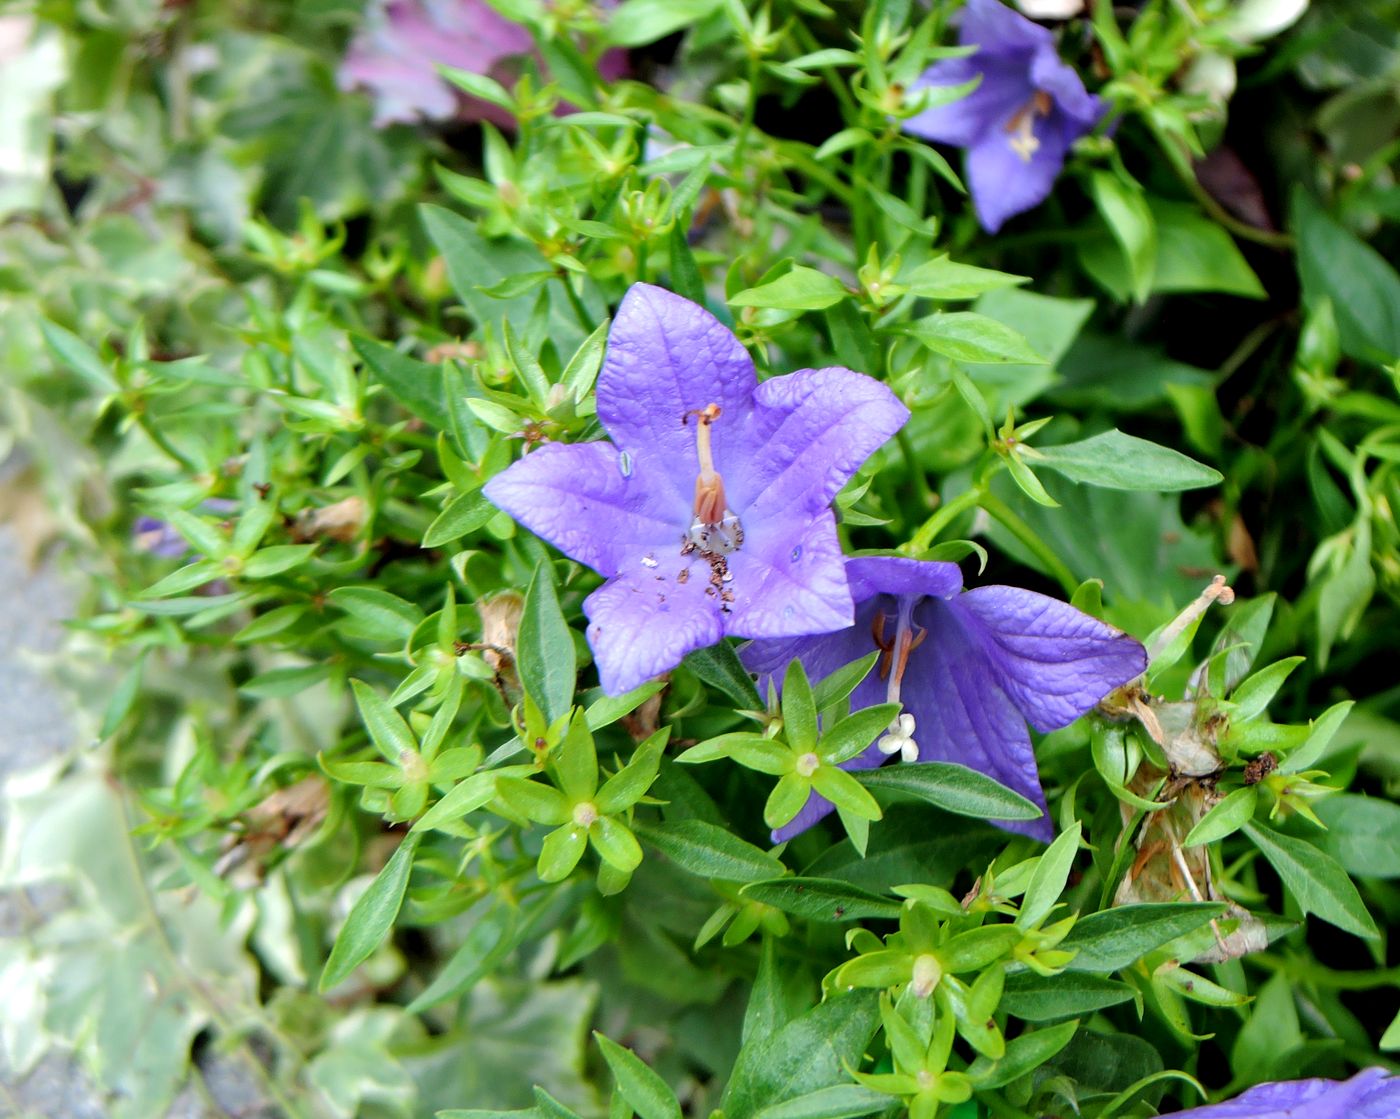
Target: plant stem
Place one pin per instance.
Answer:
(1027, 536)
(922, 540)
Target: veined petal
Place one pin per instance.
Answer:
(1055, 662)
(667, 357)
(821, 654)
(643, 621)
(1371, 1094)
(1065, 86)
(963, 713)
(577, 497)
(1005, 180)
(1004, 88)
(872, 575)
(810, 431)
(789, 579)
(1000, 30)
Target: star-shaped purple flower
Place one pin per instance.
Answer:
(710, 510)
(1370, 1094)
(971, 669)
(1019, 123)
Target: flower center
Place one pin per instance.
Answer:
(1021, 127)
(585, 814)
(807, 765)
(895, 650)
(715, 529)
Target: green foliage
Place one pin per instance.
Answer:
(349, 808)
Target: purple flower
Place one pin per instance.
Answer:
(1370, 1094)
(709, 512)
(971, 669)
(394, 56)
(1019, 123)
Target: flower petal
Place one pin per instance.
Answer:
(789, 578)
(667, 357)
(1055, 662)
(999, 30)
(964, 715)
(1003, 181)
(578, 498)
(961, 122)
(643, 621)
(1065, 86)
(1371, 1094)
(872, 575)
(810, 432)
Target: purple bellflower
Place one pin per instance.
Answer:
(1019, 123)
(970, 667)
(709, 512)
(1370, 1094)
(394, 57)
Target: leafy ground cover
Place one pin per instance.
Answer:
(691, 557)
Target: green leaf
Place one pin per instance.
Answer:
(466, 513)
(808, 1054)
(371, 917)
(608, 709)
(1125, 462)
(376, 613)
(840, 1101)
(970, 337)
(1119, 937)
(1225, 818)
(635, 22)
(1363, 834)
(1315, 880)
(821, 899)
(1124, 207)
(78, 356)
(710, 851)
(847, 794)
(649, 1095)
(801, 289)
(942, 278)
(616, 844)
(1320, 736)
(386, 727)
(799, 709)
(856, 731)
(1048, 880)
(1363, 287)
(836, 686)
(560, 852)
(545, 649)
(720, 667)
(1252, 697)
(786, 799)
(1043, 998)
(1023, 1054)
(486, 944)
(415, 384)
(954, 788)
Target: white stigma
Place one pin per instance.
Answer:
(900, 739)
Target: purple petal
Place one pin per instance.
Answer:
(998, 30)
(789, 578)
(962, 713)
(1003, 181)
(810, 432)
(668, 357)
(961, 122)
(872, 575)
(158, 538)
(578, 498)
(1055, 662)
(642, 622)
(1371, 1094)
(1065, 86)
(821, 654)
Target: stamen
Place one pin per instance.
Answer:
(715, 530)
(1021, 127)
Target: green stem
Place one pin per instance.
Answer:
(741, 140)
(156, 437)
(922, 540)
(1023, 532)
